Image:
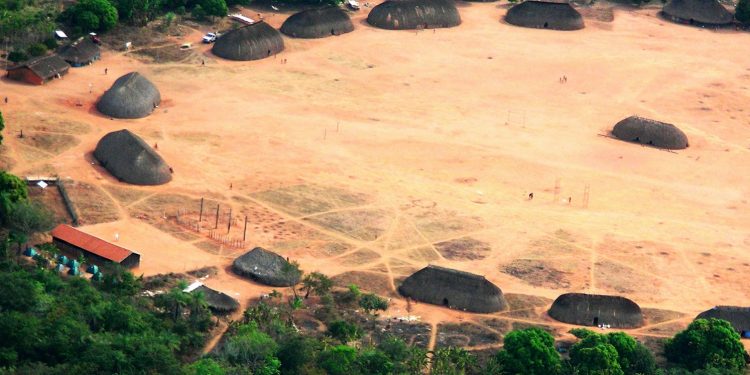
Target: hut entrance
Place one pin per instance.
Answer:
(445, 302)
(596, 321)
(333, 32)
(546, 25)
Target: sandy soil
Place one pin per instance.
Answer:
(382, 151)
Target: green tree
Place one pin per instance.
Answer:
(742, 11)
(250, 347)
(371, 302)
(344, 331)
(214, 8)
(92, 15)
(595, 356)
(633, 357)
(374, 362)
(529, 351)
(317, 283)
(297, 352)
(12, 190)
(338, 360)
(707, 343)
(453, 361)
(26, 218)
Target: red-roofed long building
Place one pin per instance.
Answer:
(95, 249)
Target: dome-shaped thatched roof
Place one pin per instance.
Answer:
(266, 267)
(131, 96)
(650, 132)
(217, 301)
(739, 317)
(81, 52)
(594, 309)
(127, 157)
(697, 12)
(414, 14)
(318, 23)
(251, 42)
(547, 14)
(454, 289)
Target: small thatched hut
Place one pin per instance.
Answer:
(220, 303)
(127, 157)
(251, 42)
(708, 13)
(318, 23)
(266, 267)
(739, 317)
(650, 132)
(545, 14)
(80, 53)
(131, 96)
(595, 309)
(453, 289)
(414, 14)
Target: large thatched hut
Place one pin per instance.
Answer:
(251, 42)
(80, 53)
(266, 267)
(318, 23)
(545, 14)
(709, 13)
(595, 309)
(218, 302)
(127, 157)
(131, 96)
(650, 132)
(414, 14)
(453, 289)
(739, 317)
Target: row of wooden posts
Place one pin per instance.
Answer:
(213, 232)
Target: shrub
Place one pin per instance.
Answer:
(17, 56)
(707, 343)
(36, 49)
(198, 13)
(50, 43)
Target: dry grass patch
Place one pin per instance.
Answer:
(537, 273)
(125, 195)
(364, 225)
(465, 335)
(92, 204)
(465, 248)
(377, 283)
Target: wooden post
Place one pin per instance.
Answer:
(244, 232)
(200, 215)
(216, 226)
(229, 221)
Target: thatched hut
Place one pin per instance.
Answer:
(739, 317)
(453, 289)
(80, 53)
(545, 14)
(708, 13)
(266, 267)
(39, 70)
(218, 302)
(251, 42)
(131, 96)
(650, 132)
(127, 157)
(414, 14)
(595, 309)
(318, 23)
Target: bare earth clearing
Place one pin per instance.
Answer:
(372, 154)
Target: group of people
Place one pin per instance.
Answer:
(564, 79)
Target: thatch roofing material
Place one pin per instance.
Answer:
(697, 12)
(131, 96)
(217, 301)
(80, 52)
(265, 267)
(650, 132)
(739, 317)
(555, 15)
(592, 309)
(454, 289)
(127, 157)
(251, 42)
(318, 23)
(45, 67)
(414, 14)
